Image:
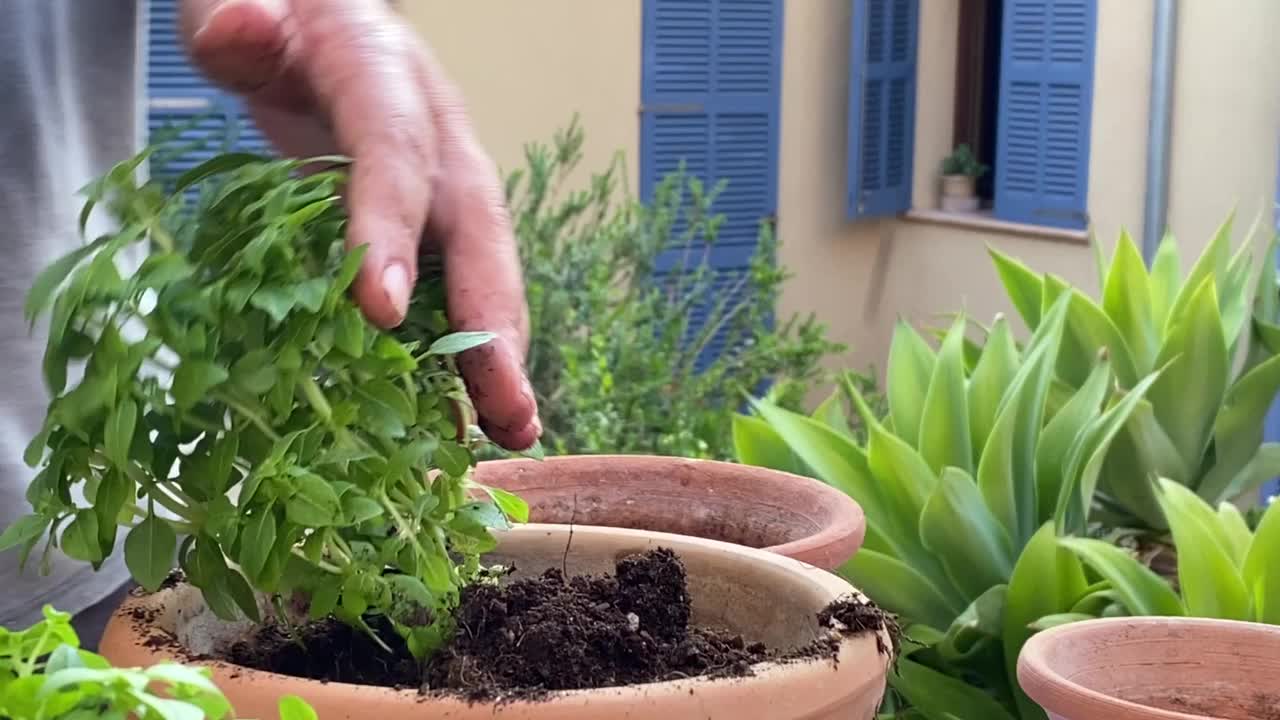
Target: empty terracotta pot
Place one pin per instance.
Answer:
(762, 595)
(795, 516)
(1154, 668)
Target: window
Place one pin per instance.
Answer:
(1024, 104)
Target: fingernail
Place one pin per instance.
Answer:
(395, 284)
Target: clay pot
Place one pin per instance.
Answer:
(1154, 668)
(795, 516)
(761, 594)
(959, 193)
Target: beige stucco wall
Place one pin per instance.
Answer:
(526, 67)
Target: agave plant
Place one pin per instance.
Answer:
(1201, 423)
(966, 485)
(1224, 569)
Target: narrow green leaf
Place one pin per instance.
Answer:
(1264, 466)
(150, 551)
(1166, 274)
(511, 505)
(276, 302)
(1099, 259)
(911, 362)
(118, 434)
(974, 631)
(1190, 390)
(1127, 300)
(1262, 567)
(1088, 330)
(218, 165)
(971, 543)
(941, 696)
(1237, 531)
(831, 412)
(1023, 286)
(256, 542)
(459, 342)
(51, 278)
(900, 588)
(1142, 591)
(453, 459)
(1211, 582)
(1212, 263)
(194, 379)
(756, 443)
(350, 267)
(1052, 621)
(1061, 434)
(1237, 427)
(349, 332)
(22, 531)
(991, 378)
(944, 425)
(1046, 580)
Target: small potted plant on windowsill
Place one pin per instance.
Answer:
(313, 476)
(960, 173)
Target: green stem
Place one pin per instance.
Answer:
(161, 495)
(314, 396)
(248, 414)
(327, 567)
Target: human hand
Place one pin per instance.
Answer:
(349, 76)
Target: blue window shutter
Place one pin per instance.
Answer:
(711, 75)
(177, 94)
(882, 106)
(1045, 114)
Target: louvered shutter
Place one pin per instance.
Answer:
(177, 94)
(882, 106)
(710, 85)
(1046, 107)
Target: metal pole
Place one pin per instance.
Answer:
(1160, 119)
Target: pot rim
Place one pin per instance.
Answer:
(844, 524)
(854, 651)
(1040, 679)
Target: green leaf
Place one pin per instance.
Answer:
(119, 432)
(313, 504)
(991, 378)
(217, 165)
(1052, 621)
(1190, 390)
(756, 443)
(1211, 264)
(453, 459)
(240, 592)
(831, 412)
(1088, 330)
(1006, 470)
(900, 588)
(944, 427)
(1142, 591)
(911, 364)
(1237, 531)
(959, 529)
(1237, 427)
(48, 280)
(255, 371)
(1023, 286)
(974, 631)
(1061, 434)
(459, 342)
(483, 515)
(510, 504)
(276, 302)
(149, 551)
(22, 531)
(194, 379)
(256, 542)
(1127, 300)
(293, 707)
(1211, 582)
(1261, 570)
(1166, 273)
(1046, 580)
(349, 332)
(941, 696)
(350, 267)
(80, 538)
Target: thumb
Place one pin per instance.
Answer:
(242, 45)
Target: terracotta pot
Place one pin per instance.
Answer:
(798, 517)
(959, 193)
(761, 594)
(1154, 668)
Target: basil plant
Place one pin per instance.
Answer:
(982, 463)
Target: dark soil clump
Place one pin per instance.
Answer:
(537, 635)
